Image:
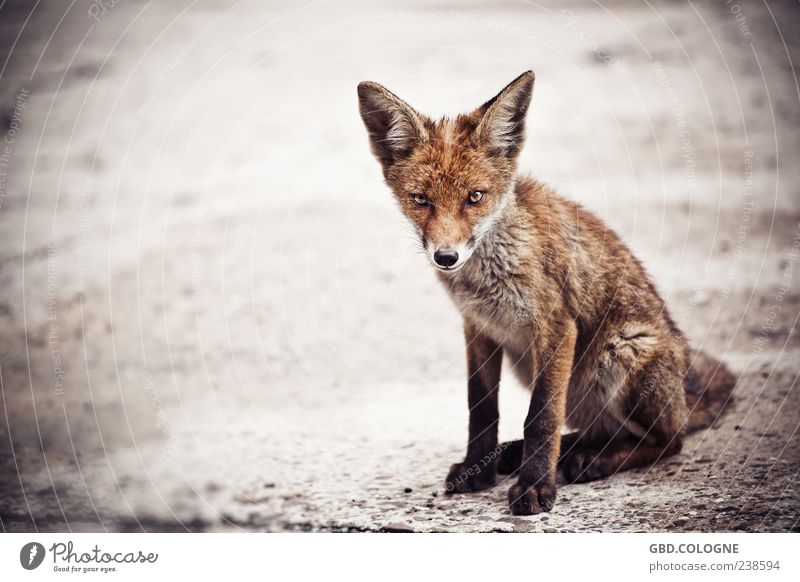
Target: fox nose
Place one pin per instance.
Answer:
(446, 258)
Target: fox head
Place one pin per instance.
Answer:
(452, 177)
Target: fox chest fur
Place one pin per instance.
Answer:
(508, 292)
(498, 292)
(495, 291)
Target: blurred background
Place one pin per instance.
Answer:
(213, 318)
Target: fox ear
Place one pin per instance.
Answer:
(502, 119)
(394, 127)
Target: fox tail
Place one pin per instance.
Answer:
(709, 385)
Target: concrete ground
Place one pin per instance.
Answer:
(212, 316)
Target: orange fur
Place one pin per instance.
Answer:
(544, 282)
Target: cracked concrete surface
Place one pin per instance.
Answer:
(212, 317)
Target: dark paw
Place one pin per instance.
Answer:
(470, 477)
(583, 466)
(532, 499)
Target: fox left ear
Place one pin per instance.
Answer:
(394, 128)
(502, 119)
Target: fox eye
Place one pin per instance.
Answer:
(475, 197)
(421, 200)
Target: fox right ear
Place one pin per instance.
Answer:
(502, 119)
(394, 127)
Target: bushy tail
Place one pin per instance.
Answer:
(709, 385)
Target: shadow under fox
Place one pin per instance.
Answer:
(543, 282)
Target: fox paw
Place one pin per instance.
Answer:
(532, 499)
(583, 466)
(469, 477)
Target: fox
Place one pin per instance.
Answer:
(546, 285)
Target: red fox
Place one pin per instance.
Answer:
(539, 279)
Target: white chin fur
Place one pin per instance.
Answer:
(452, 269)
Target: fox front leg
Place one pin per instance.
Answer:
(479, 468)
(535, 490)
